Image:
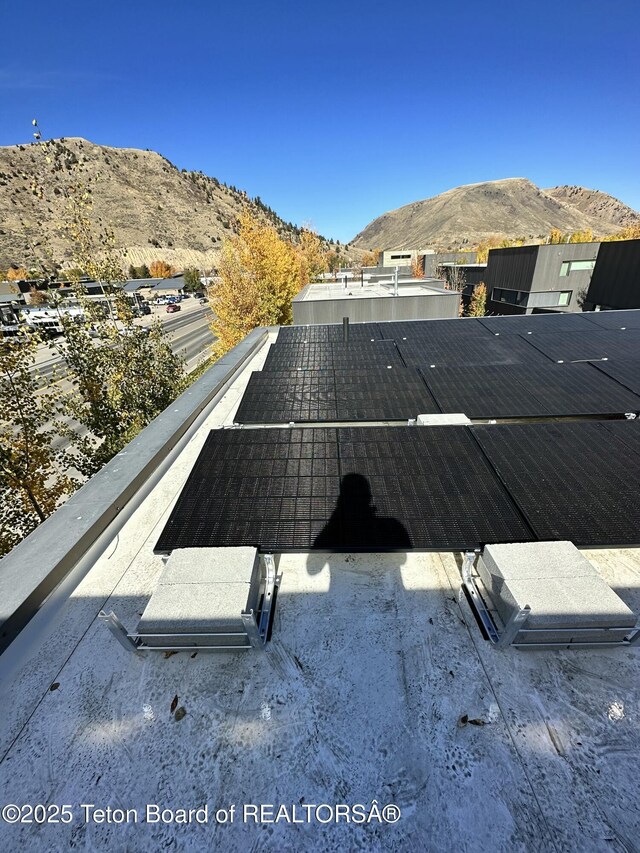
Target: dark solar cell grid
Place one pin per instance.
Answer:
(327, 333)
(536, 324)
(382, 352)
(626, 431)
(357, 332)
(474, 351)
(343, 395)
(575, 389)
(332, 355)
(569, 484)
(425, 330)
(397, 394)
(627, 373)
(433, 481)
(290, 396)
(432, 489)
(257, 487)
(485, 391)
(593, 345)
(614, 319)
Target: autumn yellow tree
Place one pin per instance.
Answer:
(483, 248)
(585, 236)
(370, 259)
(160, 269)
(259, 274)
(313, 257)
(417, 267)
(631, 232)
(478, 302)
(556, 236)
(19, 274)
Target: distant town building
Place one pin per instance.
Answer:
(401, 257)
(616, 278)
(523, 279)
(370, 301)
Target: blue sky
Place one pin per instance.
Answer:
(334, 113)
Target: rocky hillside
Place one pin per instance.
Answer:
(512, 208)
(596, 203)
(155, 210)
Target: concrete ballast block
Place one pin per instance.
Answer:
(442, 420)
(202, 590)
(537, 560)
(185, 608)
(562, 588)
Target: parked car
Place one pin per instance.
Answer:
(161, 300)
(172, 307)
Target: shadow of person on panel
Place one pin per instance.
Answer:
(355, 525)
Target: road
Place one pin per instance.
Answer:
(187, 330)
(189, 333)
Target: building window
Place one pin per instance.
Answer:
(400, 257)
(512, 297)
(550, 299)
(576, 266)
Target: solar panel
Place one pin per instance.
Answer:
(301, 396)
(378, 395)
(535, 323)
(614, 319)
(264, 487)
(438, 488)
(326, 333)
(329, 355)
(591, 346)
(327, 395)
(629, 433)
(348, 489)
(627, 373)
(569, 483)
(477, 350)
(356, 332)
(425, 330)
(486, 391)
(574, 389)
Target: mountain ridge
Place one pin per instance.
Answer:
(156, 211)
(510, 207)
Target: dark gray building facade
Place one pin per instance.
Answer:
(554, 277)
(616, 279)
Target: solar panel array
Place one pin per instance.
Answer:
(604, 343)
(574, 481)
(303, 396)
(343, 489)
(370, 488)
(332, 355)
(627, 373)
(396, 488)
